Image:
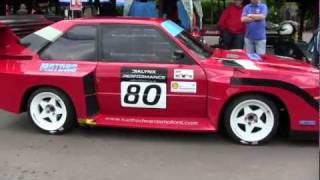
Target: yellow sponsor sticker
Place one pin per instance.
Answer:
(175, 85)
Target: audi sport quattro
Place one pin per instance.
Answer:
(151, 74)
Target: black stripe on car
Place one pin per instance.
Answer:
(89, 84)
(278, 84)
(231, 63)
(92, 105)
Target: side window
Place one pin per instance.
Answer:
(79, 43)
(123, 43)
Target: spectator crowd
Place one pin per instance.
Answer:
(244, 26)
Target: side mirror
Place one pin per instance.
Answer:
(178, 55)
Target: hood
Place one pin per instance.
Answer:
(240, 58)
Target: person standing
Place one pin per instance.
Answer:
(254, 15)
(287, 13)
(2, 8)
(316, 51)
(22, 10)
(231, 27)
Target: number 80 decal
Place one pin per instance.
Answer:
(144, 95)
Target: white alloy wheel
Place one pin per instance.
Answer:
(48, 111)
(252, 120)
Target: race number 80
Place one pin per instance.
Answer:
(144, 95)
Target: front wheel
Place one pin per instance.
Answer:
(251, 119)
(51, 111)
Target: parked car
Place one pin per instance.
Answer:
(311, 49)
(281, 41)
(151, 74)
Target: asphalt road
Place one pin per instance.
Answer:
(118, 154)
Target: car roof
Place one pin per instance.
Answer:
(120, 19)
(64, 25)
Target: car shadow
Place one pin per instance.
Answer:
(22, 124)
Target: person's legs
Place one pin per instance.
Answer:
(261, 47)
(316, 51)
(249, 45)
(238, 41)
(226, 40)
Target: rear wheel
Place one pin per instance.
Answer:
(251, 119)
(51, 111)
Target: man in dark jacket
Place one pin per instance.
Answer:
(231, 27)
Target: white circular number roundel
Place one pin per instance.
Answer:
(144, 95)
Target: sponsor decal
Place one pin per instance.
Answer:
(183, 87)
(183, 74)
(172, 28)
(49, 33)
(67, 68)
(307, 122)
(144, 88)
(153, 121)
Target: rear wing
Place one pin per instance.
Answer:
(10, 47)
(12, 28)
(25, 25)
(9, 43)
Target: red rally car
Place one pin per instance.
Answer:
(151, 74)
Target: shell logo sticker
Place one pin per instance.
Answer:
(175, 85)
(183, 87)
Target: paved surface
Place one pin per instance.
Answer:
(118, 154)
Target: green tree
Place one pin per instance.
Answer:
(275, 7)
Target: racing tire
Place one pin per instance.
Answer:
(51, 111)
(251, 119)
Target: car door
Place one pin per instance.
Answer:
(74, 52)
(137, 75)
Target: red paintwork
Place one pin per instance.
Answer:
(185, 112)
(8, 43)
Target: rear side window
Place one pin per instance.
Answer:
(133, 43)
(79, 43)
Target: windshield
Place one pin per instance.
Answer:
(192, 43)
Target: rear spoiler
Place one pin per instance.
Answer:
(10, 47)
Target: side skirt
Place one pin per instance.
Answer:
(153, 123)
(304, 135)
